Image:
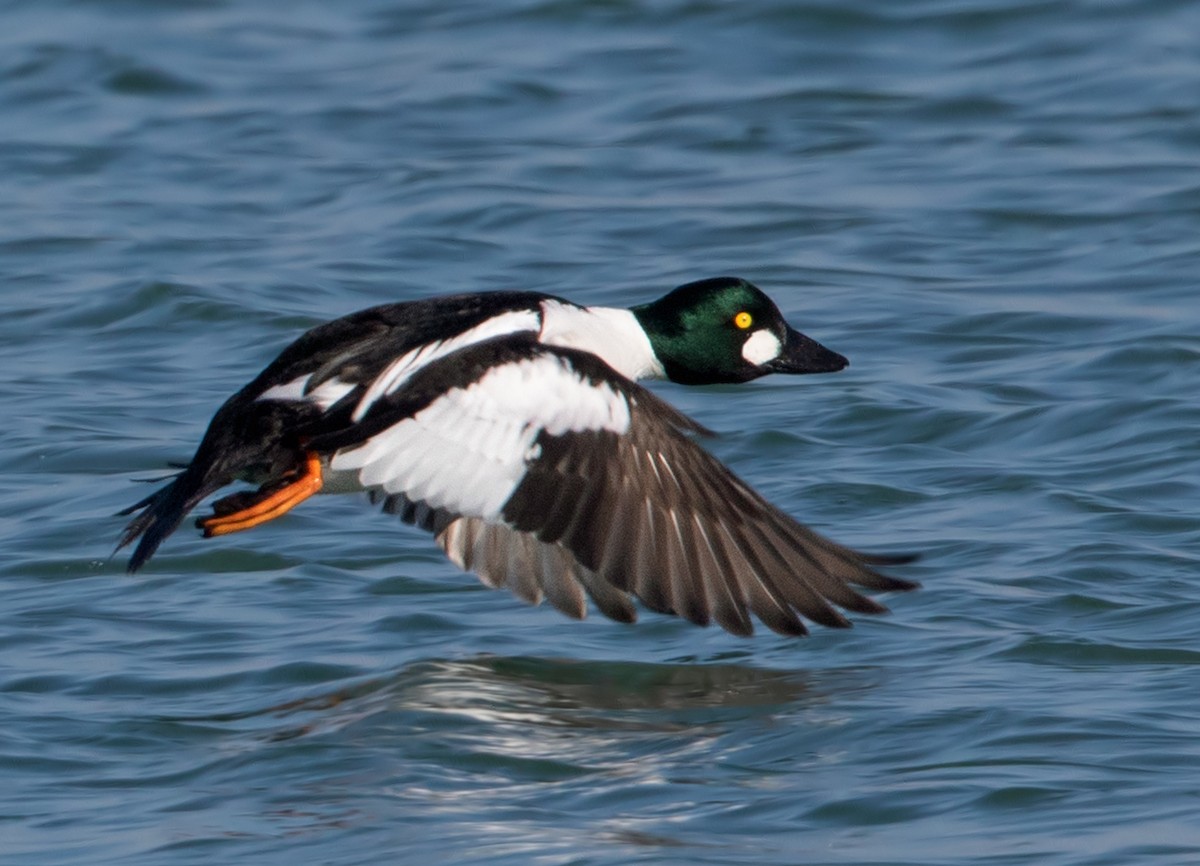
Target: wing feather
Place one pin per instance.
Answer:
(545, 472)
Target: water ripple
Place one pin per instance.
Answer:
(990, 208)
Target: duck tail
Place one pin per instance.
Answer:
(160, 513)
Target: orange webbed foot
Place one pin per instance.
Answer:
(245, 511)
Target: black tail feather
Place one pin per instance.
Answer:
(139, 505)
(160, 514)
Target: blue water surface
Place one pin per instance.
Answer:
(992, 207)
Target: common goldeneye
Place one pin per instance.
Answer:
(510, 425)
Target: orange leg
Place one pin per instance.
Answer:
(277, 504)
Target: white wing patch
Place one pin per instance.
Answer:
(762, 346)
(324, 395)
(400, 370)
(467, 451)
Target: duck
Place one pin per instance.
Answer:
(511, 426)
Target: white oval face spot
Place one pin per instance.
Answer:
(760, 347)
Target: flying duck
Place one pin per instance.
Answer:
(511, 426)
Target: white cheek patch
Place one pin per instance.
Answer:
(762, 346)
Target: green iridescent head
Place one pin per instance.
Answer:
(725, 329)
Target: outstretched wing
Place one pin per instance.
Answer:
(544, 471)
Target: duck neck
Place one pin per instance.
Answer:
(611, 333)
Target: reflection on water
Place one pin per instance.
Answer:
(530, 742)
(536, 739)
(547, 693)
(567, 685)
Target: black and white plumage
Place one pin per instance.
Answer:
(536, 462)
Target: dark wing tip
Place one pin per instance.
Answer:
(899, 584)
(873, 579)
(888, 558)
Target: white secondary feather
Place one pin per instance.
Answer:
(467, 451)
(607, 332)
(400, 370)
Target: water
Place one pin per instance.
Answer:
(992, 207)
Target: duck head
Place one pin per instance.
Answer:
(725, 329)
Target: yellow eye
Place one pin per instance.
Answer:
(743, 320)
